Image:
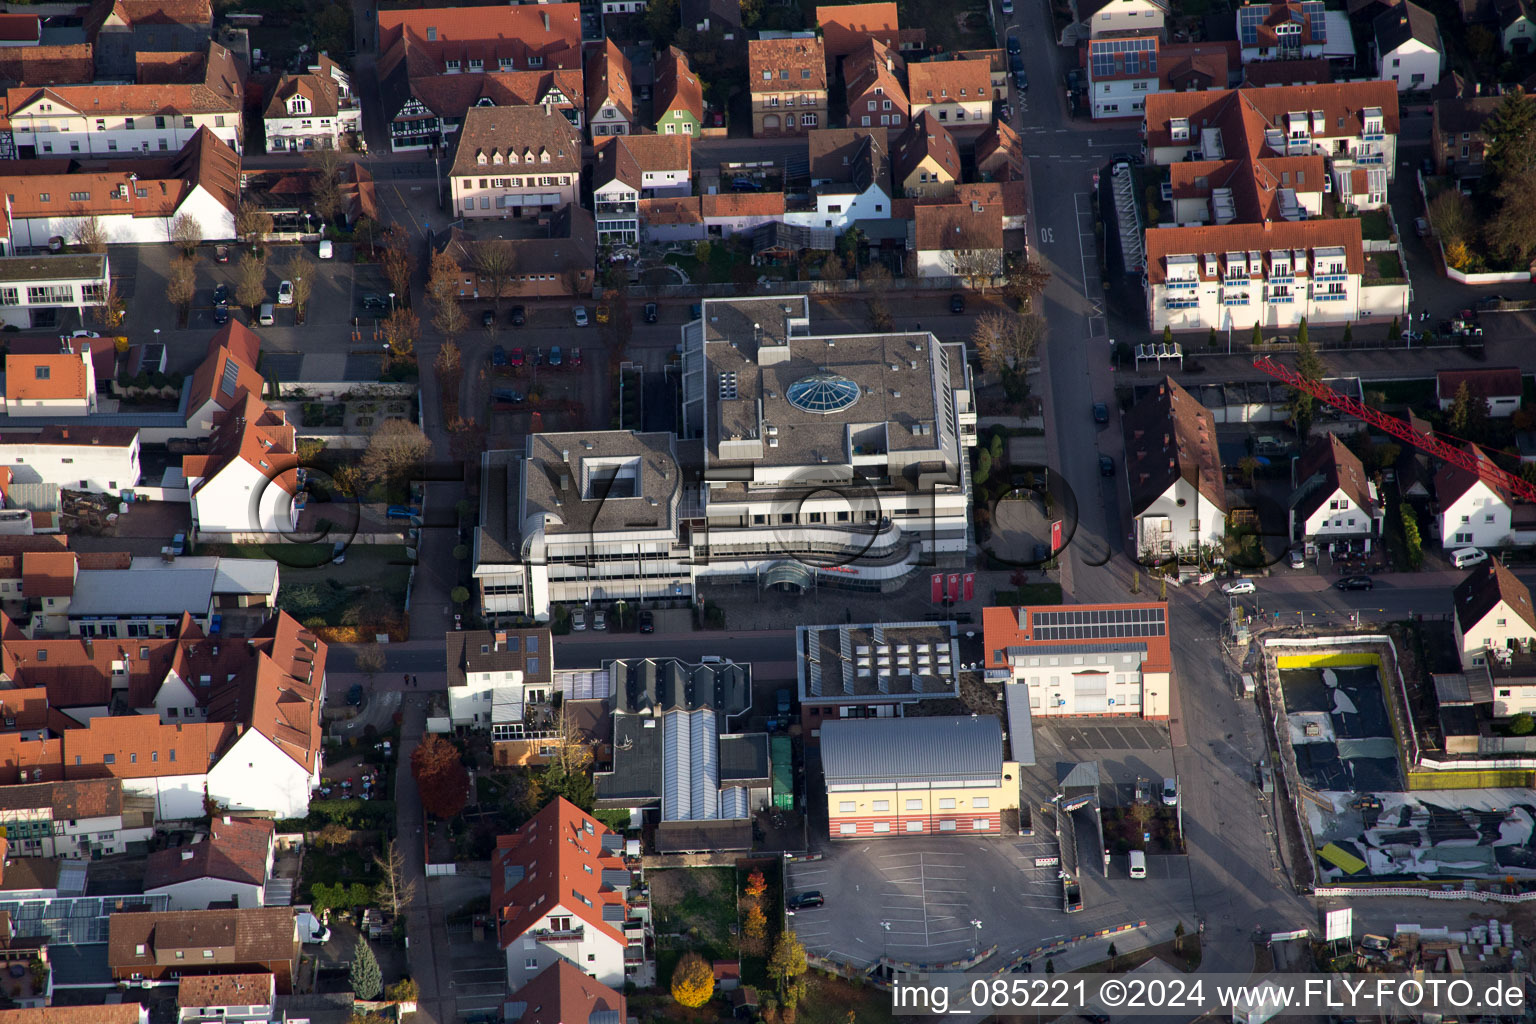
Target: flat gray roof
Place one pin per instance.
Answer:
(72, 267)
(890, 751)
(604, 481)
(895, 661)
(670, 684)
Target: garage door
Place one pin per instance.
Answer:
(1090, 693)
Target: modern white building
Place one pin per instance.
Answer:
(248, 485)
(1083, 659)
(560, 891)
(1173, 474)
(1492, 612)
(826, 460)
(29, 283)
(850, 179)
(1334, 504)
(100, 459)
(1475, 510)
(495, 676)
(1408, 47)
(102, 120)
(312, 110)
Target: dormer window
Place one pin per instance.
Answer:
(475, 63)
(298, 105)
(544, 157)
(431, 35)
(496, 158)
(504, 64)
(511, 157)
(453, 65)
(480, 159)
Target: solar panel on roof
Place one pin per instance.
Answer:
(231, 375)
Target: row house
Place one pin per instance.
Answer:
(312, 111)
(235, 720)
(100, 120)
(1092, 19)
(561, 891)
(957, 92)
(122, 30)
(1173, 475)
(1459, 143)
(874, 93)
(630, 168)
(494, 678)
(1086, 659)
(1290, 30)
(1123, 71)
(514, 162)
(226, 999)
(229, 865)
(845, 28)
(610, 95)
(788, 85)
(850, 179)
(185, 944)
(85, 818)
(1000, 154)
(925, 162)
(133, 200)
(30, 285)
(673, 220)
(961, 239)
(435, 106)
(419, 49)
(678, 96)
(1334, 505)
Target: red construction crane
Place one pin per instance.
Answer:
(1479, 465)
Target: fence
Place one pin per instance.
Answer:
(1475, 895)
(852, 287)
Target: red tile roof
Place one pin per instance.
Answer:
(1000, 153)
(1243, 114)
(565, 994)
(845, 26)
(226, 990)
(236, 850)
(925, 139)
(48, 574)
(949, 81)
(872, 65)
(677, 87)
(112, 1013)
(677, 210)
(452, 95)
(1170, 436)
(423, 40)
(742, 204)
(1339, 469)
(941, 227)
(24, 709)
(21, 28)
(790, 65)
(220, 92)
(214, 381)
(249, 935)
(607, 80)
(1002, 630)
(68, 64)
(46, 378)
(1223, 238)
(252, 432)
(537, 868)
(1451, 481)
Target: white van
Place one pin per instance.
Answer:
(1138, 864)
(268, 315)
(1465, 558)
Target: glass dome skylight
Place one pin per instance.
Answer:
(822, 393)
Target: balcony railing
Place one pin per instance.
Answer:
(564, 935)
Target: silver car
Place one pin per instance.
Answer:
(578, 620)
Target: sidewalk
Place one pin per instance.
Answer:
(425, 928)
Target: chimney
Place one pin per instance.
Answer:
(501, 640)
(546, 21)
(66, 433)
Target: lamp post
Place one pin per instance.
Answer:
(885, 938)
(391, 302)
(976, 936)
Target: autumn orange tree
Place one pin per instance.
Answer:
(693, 981)
(754, 927)
(440, 776)
(756, 885)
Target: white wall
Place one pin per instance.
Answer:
(240, 499)
(873, 204)
(609, 120)
(197, 893)
(1347, 520)
(77, 466)
(74, 135)
(527, 956)
(1500, 628)
(1213, 523)
(1488, 519)
(1126, 16)
(216, 220)
(176, 796)
(1121, 97)
(256, 776)
(1411, 59)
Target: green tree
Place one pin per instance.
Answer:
(575, 786)
(786, 965)
(1511, 134)
(1213, 342)
(1258, 335)
(1522, 724)
(1395, 331)
(1460, 414)
(1310, 365)
(693, 981)
(1167, 334)
(983, 468)
(1349, 334)
(367, 982)
(1413, 543)
(1513, 229)
(661, 21)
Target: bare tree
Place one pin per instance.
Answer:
(88, 233)
(251, 283)
(972, 257)
(181, 282)
(366, 231)
(575, 747)
(301, 271)
(449, 318)
(400, 330)
(187, 233)
(495, 265)
(397, 447)
(325, 163)
(109, 313)
(573, 279)
(370, 660)
(1025, 281)
(394, 891)
(252, 222)
(442, 277)
(327, 199)
(876, 278)
(399, 263)
(1007, 341)
(449, 361)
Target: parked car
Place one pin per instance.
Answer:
(805, 900)
(602, 312)
(957, 303)
(1238, 587)
(1170, 792)
(488, 318)
(402, 511)
(327, 250)
(221, 254)
(579, 314)
(221, 294)
(781, 701)
(555, 359)
(745, 185)
(1013, 44)
(179, 544)
(285, 293)
(355, 694)
(1465, 558)
(518, 316)
(578, 619)
(651, 311)
(1007, 6)
(221, 313)
(1421, 226)
(574, 359)
(502, 397)
(268, 315)
(1298, 558)
(498, 356)
(1106, 466)
(599, 619)
(373, 300)
(695, 310)
(1355, 583)
(1100, 412)
(647, 621)
(516, 358)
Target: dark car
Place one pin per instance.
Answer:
(1106, 466)
(403, 511)
(1100, 412)
(355, 694)
(650, 312)
(554, 355)
(801, 901)
(488, 318)
(1021, 80)
(647, 622)
(221, 254)
(498, 356)
(1355, 583)
(373, 300)
(506, 396)
(221, 313)
(1013, 44)
(957, 303)
(519, 316)
(221, 294)
(746, 185)
(781, 701)
(1491, 301)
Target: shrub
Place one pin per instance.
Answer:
(693, 981)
